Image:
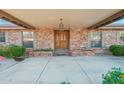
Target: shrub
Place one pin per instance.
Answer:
(1, 51)
(112, 47)
(12, 51)
(16, 51)
(114, 77)
(117, 50)
(4, 51)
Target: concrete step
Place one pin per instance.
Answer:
(61, 52)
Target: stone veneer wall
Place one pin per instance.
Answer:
(44, 37)
(81, 37)
(78, 38)
(109, 38)
(12, 37)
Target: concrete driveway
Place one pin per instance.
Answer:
(54, 70)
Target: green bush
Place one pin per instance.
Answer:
(117, 50)
(16, 51)
(3, 51)
(112, 47)
(114, 77)
(12, 51)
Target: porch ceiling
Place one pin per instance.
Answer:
(71, 17)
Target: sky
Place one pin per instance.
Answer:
(6, 23)
(117, 23)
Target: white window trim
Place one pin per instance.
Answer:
(33, 40)
(89, 40)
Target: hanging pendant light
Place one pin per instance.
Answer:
(61, 25)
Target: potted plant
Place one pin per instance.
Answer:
(13, 51)
(17, 52)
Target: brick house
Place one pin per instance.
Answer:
(79, 33)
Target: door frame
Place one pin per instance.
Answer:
(68, 39)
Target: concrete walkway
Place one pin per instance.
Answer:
(54, 70)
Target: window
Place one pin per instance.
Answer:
(121, 37)
(96, 39)
(2, 36)
(28, 39)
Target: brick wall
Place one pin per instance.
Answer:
(78, 38)
(44, 37)
(81, 37)
(12, 37)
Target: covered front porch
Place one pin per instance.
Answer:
(81, 32)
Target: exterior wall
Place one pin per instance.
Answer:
(12, 37)
(118, 38)
(44, 38)
(79, 38)
(109, 38)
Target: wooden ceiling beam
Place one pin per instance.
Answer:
(113, 18)
(14, 20)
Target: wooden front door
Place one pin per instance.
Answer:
(61, 39)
